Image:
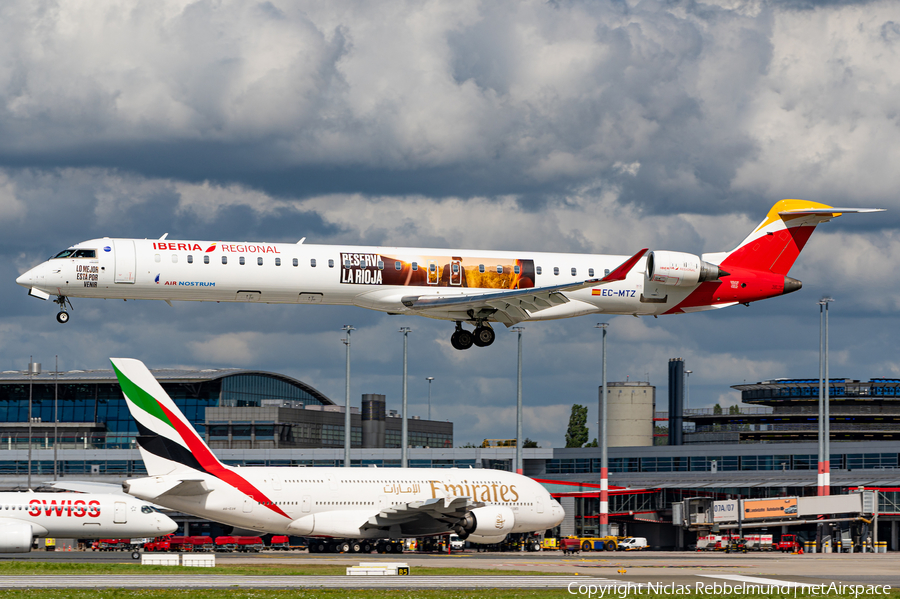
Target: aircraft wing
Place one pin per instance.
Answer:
(448, 510)
(176, 487)
(513, 305)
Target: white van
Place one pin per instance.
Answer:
(633, 544)
(456, 542)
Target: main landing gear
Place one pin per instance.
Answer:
(63, 316)
(482, 336)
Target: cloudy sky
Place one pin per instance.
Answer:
(558, 126)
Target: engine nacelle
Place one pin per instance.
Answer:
(480, 540)
(490, 521)
(678, 269)
(16, 538)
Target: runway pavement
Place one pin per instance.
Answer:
(600, 569)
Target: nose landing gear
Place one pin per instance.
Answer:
(62, 317)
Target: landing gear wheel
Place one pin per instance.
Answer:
(388, 548)
(367, 548)
(343, 547)
(62, 317)
(356, 547)
(484, 336)
(135, 555)
(462, 339)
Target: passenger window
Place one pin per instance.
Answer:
(516, 269)
(415, 266)
(174, 258)
(363, 264)
(242, 261)
(312, 262)
(259, 261)
(573, 272)
(398, 265)
(499, 269)
(590, 272)
(380, 265)
(556, 270)
(481, 268)
(606, 273)
(205, 259)
(537, 270)
(295, 262)
(224, 259)
(433, 267)
(330, 263)
(190, 259)
(277, 261)
(346, 264)
(156, 258)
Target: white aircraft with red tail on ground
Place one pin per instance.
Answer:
(465, 286)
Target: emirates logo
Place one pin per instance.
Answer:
(500, 522)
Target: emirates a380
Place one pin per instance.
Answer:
(354, 503)
(474, 287)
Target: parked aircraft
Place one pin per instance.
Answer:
(465, 286)
(27, 515)
(357, 503)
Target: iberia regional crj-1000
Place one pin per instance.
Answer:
(466, 286)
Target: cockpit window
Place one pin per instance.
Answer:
(146, 509)
(85, 254)
(65, 253)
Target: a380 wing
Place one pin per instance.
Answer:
(514, 305)
(448, 510)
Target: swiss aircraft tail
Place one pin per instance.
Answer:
(168, 443)
(775, 244)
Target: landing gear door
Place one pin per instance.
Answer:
(456, 271)
(125, 260)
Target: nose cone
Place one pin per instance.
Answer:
(558, 513)
(26, 279)
(166, 524)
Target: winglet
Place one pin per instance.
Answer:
(623, 269)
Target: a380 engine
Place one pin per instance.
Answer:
(488, 524)
(15, 537)
(678, 269)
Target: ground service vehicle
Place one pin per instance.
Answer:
(280, 543)
(226, 544)
(787, 543)
(456, 542)
(549, 544)
(570, 545)
(608, 543)
(250, 544)
(633, 544)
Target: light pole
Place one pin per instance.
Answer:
(604, 458)
(687, 388)
(826, 425)
(404, 426)
(519, 465)
(348, 328)
(55, 417)
(33, 369)
(429, 379)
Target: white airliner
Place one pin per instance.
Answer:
(25, 516)
(348, 503)
(471, 286)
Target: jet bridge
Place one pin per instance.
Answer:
(704, 514)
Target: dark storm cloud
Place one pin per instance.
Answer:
(563, 126)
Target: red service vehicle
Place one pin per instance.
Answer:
(201, 544)
(280, 543)
(112, 545)
(179, 544)
(250, 544)
(159, 544)
(570, 545)
(789, 543)
(226, 544)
